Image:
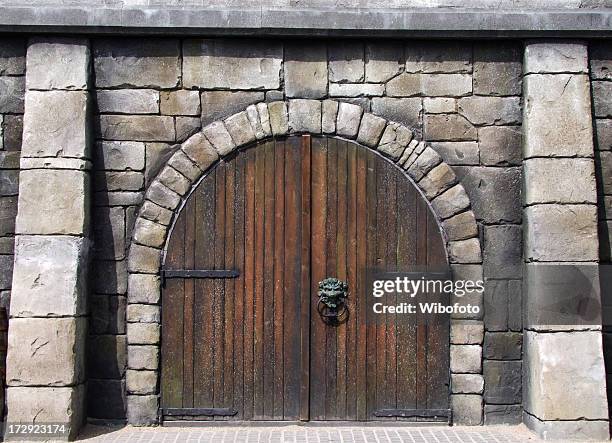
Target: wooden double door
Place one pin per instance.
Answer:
(241, 335)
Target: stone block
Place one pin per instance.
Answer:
(264, 118)
(561, 233)
(467, 409)
(503, 256)
(55, 124)
(466, 359)
(465, 251)
(143, 333)
(144, 260)
(106, 356)
(406, 111)
(13, 130)
(503, 414)
(438, 56)
(12, 56)
(109, 233)
(356, 89)
(149, 233)
(306, 70)
(217, 105)
(396, 142)
(467, 383)
(450, 202)
(12, 95)
(143, 357)
(491, 110)
(496, 296)
(448, 127)
(439, 105)
(8, 212)
(144, 288)
(183, 163)
(232, 64)
(424, 163)
(216, 133)
(106, 399)
(557, 116)
(137, 62)
(328, 117)
(120, 156)
(600, 56)
(346, 62)
(437, 181)
(180, 102)
(143, 313)
(160, 194)
(551, 57)
(279, 119)
(142, 409)
(497, 69)
(495, 193)
(603, 167)
(466, 332)
(305, 116)
(500, 145)
(121, 198)
(239, 128)
(371, 129)
(50, 276)
(137, 127)
(502, 346)
(7, 246)
(430, 85)
(186, 126)
(598, 430)
(460, 226)
(9, 183)
(602, 100)
(128, 101)
(347, 122)
(118, 181)
(40, 405)
(603, 137)
(141, 382)
(6, 271)
(46, 351)
(383, 61)
(255, 121)
(174, 180)
(107, 314)
(564, 376)
(110, 277)
(559, 180)
(69, 68)
(156, 213)
(503, 382)
(43, 210)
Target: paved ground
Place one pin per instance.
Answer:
(310, 434)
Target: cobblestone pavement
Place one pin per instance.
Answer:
(310, 434)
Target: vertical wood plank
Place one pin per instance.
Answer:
(305, 275)
(279, 272)
(188, 323)
(318, 262)
(219, 285)
(229, 293)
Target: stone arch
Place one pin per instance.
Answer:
(170, 189)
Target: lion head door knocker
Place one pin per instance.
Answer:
(332, 301)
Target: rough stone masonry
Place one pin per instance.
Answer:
(105, 120)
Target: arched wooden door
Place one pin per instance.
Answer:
(241, 336)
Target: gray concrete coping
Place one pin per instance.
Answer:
(268, 21)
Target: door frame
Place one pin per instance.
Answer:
(145, 257)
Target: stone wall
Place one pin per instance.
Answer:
(12, 86)
(601, 90)
(462, 97)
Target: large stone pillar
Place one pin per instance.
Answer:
(564, 387)
(47, 326)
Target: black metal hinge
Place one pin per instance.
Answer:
(193, 412)
(435, 414)
(198, 273)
